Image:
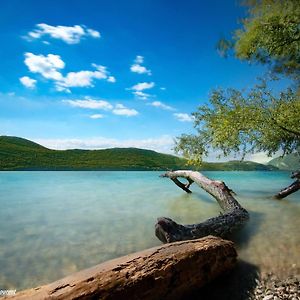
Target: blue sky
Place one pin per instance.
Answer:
(98, 74)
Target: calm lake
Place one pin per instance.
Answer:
(55, 223)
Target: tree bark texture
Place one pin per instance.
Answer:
(232, 218)
(165, 272)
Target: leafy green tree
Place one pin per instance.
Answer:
(270, 34)
(235, 122)
(246, 122)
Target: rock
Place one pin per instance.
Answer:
(165, 272)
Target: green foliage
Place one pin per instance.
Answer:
(21, 154)
(270, 34)
(235, 122)
(239, 122)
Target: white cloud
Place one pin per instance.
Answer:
(93, 33)
(183, 117)
(118, 109)
(161, 144)
(28, 82)
(84, 78)
(161, 105)
(101, 69)
(47, 66)
(140, 69)
(139, 59)
(111, 79)
(140, 87)
(122, 110)
(141, 95)
(97, 116)
(137, 66)
(90, 104)
(79, 79)
(143, 86)
(68, 34)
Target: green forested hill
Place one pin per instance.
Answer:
(21, 154)
(289, 162)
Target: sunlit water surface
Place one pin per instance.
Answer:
(55, 223)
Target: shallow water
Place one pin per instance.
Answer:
(55, 223)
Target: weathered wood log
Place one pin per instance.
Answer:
(234, 215)
(165, 272)
(294, 187)
(295, 174)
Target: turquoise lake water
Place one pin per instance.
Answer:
(55, 223)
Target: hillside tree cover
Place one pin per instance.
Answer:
(21, 154)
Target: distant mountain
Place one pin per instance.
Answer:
(288, 162)
(21, 154)
(237, 165)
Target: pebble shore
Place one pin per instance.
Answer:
(270, 287)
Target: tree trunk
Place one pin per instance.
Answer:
(165, 272)
(294, 187)
(233, 218)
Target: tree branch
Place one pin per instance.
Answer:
(233, 218)
(284, 128)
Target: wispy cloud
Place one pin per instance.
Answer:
(122, 110)
(118, 109)
(137, 66)
(137, 90)
(111, 79)
(141, 95)
(161, 105)
(97, 116)
(50, 67)
(90, 104)
(163, 143)
(143, 86)
(84, 78)
(28, 82)
(68, 34)
(182, 117)
(139, 59)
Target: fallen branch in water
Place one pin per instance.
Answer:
(234, 215)
(294, 187)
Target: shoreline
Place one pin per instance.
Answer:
(247, 282)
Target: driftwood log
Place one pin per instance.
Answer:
(165, 272)
(294, 187)
(232, 218)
